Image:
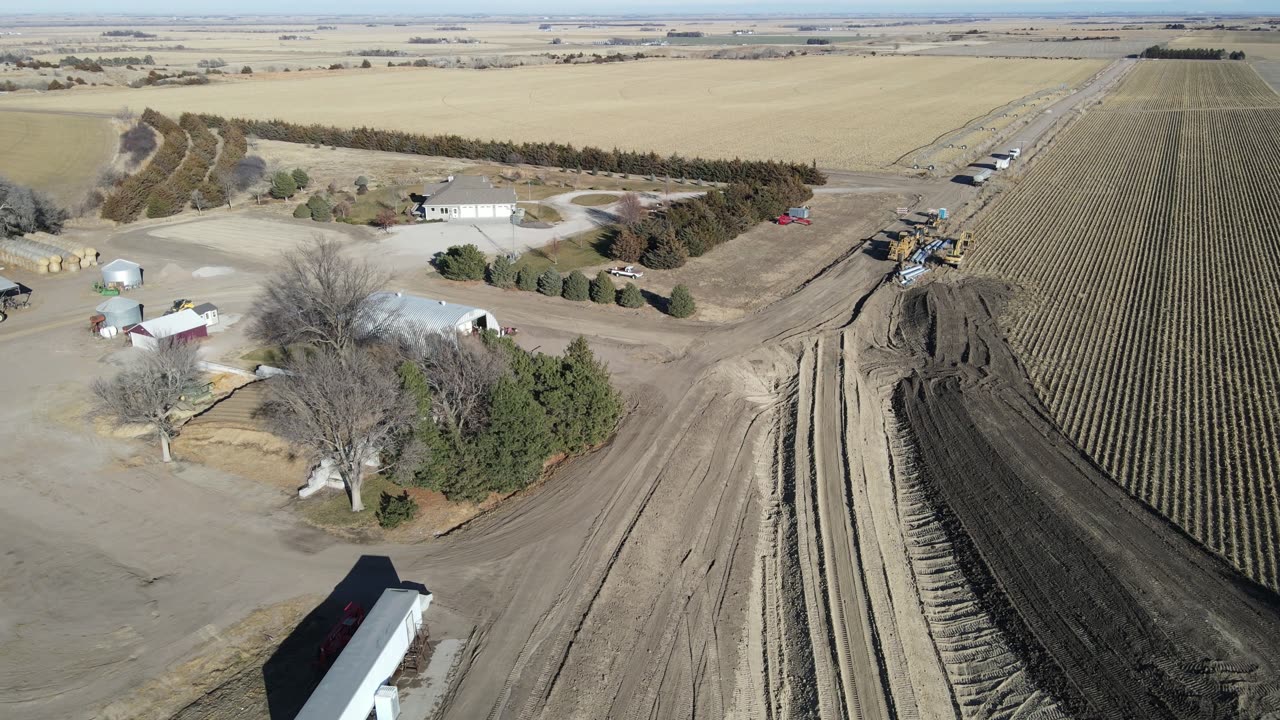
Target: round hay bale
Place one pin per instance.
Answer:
(55, 267)
(71, 266)
(42, 268)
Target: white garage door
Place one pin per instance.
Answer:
(468, 211)
(484, 211)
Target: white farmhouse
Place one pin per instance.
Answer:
(466, 197)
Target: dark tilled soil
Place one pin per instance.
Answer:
(1117, 611)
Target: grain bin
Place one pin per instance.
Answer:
(127, 274)
(120, 312)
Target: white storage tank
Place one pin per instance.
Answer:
(124, 272)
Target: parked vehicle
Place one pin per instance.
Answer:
(627, 272)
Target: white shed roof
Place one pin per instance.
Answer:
(121, 264)
(117, 304)
(166, 325)
(424, 314)
(6, 285)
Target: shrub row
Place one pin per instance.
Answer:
(130, 196)
(466, 262)
(692, 227)
(535, 153)
(221, 180)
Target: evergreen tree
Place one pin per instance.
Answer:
(302, 211)
(527, 279)
(433, 451)
(582, 407)
(301, 178)
(550, 283)
(630, 296)
(602, 290)
(517, 442)
(463, 262)
(319, 208)
(576, 287)
(283, 185)
(627, 245)
(502, 273)
(681, 304)
(667, 254)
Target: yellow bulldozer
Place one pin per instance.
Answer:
(180, 305)
(906, 243)
(959, 248)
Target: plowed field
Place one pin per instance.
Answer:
(1148, 323)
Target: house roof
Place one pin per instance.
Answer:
(6, 285)
(167, 325)
(424, 314)
(467, 190)
(203, 308)
(121, 264)
(117, 304)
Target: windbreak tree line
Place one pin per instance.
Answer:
(693, 227)
(1165, 53)
(535, 153)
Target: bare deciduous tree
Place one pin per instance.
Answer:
(460, 373)
(630, 210)
(386, 219)
(147, 393)
(321, 298)
(340, 406)
(198, 201)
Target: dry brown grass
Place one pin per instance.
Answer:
(852, 112)
(57, 154)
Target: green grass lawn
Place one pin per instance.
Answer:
(577, 251)
(331, 508)
(594, 199)
(537, 212)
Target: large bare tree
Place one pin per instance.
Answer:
(343, 406)
(148, 392)
(320, 298)
(630, 210)
(461, 372)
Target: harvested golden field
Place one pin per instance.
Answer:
(1147, 323)
(1256, 45)
(853, 112)
(57, 154)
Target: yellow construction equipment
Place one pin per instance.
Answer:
(901, 247)
(179, 305)
(959, 247)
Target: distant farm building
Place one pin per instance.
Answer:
(412, 316)
(208, 312)
(466, 197)
(182, 325)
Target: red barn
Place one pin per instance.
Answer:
(182, 325)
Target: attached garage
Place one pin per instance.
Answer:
(467, 198)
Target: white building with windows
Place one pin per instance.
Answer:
(466, 198)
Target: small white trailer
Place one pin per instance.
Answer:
(982, 176)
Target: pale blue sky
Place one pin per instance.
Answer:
(648, 7)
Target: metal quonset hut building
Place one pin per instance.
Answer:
(416, 315)
(121, 312)
(124, 272)
(182, 325)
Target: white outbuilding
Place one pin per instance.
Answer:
(415, 315)
(466, 198)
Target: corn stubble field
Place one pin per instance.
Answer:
(846, 112)
(1150, 320)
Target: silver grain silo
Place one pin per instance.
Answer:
(120, 312)
(122, 272)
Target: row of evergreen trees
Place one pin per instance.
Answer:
(127, 199)
(692, 227)
(541, 406)
(1166, 53)
(534, 153)
(169, 198)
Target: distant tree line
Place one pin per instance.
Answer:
(685, 34)
(128, 33)
(534, 153)
(1164, 53)
(693, 227)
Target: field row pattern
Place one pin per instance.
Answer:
(1148, 328)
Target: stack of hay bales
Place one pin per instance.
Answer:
(88, 256)
(42, 257)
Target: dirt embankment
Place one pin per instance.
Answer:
(1111, 608)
